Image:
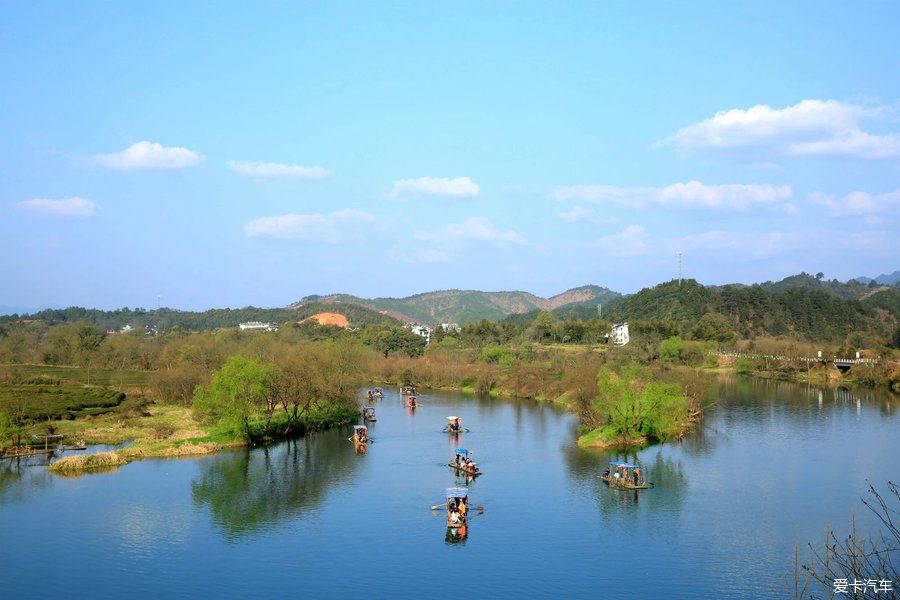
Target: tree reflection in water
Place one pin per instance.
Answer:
(20, 477)
(667, 493)
(253, 489)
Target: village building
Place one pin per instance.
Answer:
(257, 326)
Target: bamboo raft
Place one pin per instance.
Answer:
(460, 523)
(624, 485)
(473, 472)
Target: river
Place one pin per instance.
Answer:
(772, 465)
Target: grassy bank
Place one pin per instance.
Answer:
(883, 375)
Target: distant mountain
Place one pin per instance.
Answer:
(469, 306)
(850, 290)
(886, 279)
(15, 310)
(165, 319)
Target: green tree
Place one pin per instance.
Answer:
(388, 339)
(542, 326)
(671, 349)
(713, 327)
(238, 392)
(629, 407)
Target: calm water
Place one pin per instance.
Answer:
(773, 464)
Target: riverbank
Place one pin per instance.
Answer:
(884, 376)
(161, 431)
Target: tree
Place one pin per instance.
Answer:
(542, 326)
(671, 349)
(820, 275)
(316, 376)
(238, 391)
(389, 338)
(713, 327)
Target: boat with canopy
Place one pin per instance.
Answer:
(457, 506)
(360, 435)
(454, 425)
(624, 475)
(462, 463)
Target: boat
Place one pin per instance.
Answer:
(459, 465)
(457, 497)
(369, 413)
(412, 401)
(360, 435)
(454, 426)
(620, 474)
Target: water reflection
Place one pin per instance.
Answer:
(249, 490)
(21, 477)
(457, 535)
(666, 475)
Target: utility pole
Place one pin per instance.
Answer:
(680, 254)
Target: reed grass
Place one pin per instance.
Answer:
(86, 462)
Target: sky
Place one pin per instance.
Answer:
(201, 155)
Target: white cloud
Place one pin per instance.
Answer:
(267, 170)
(69, 207)
(148, 155)
(472, 229)
(318, 227)
(459, 187)
(630, 242)
(811, 127)
(858, 203)
(692, 194)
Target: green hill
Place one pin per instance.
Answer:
(805, 311)
(683, 304)
(850, 290)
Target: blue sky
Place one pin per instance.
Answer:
(227, 156)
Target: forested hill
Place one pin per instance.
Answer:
(761, 310)
(469, 306)
(165, 319)
(850, 290)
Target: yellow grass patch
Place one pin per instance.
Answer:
(86, 462)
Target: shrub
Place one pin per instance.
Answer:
(744, 366)
(670, 350)
(493, 353)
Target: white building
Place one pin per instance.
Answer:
(126, 329)
(451, 327)
(619, 334)
(422, 330)
(257, 326)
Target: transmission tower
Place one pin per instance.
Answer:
(680, 255)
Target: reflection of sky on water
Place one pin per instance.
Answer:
(144, 525)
